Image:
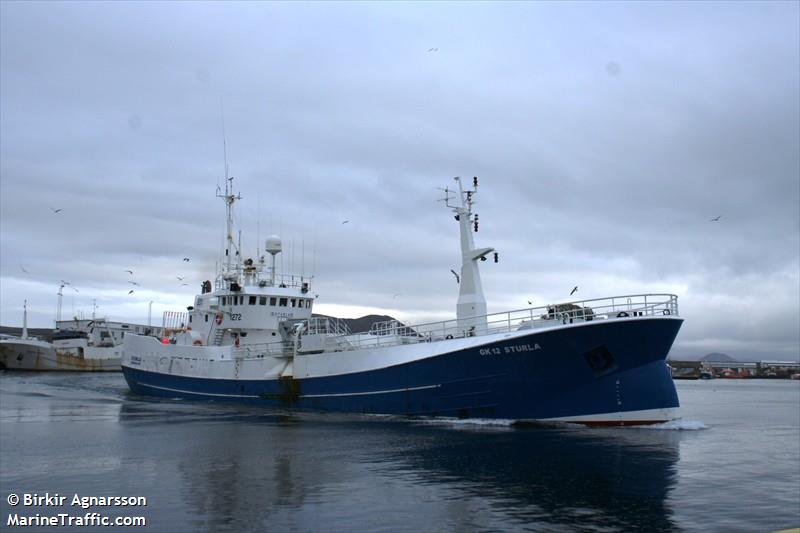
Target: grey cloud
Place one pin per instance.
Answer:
(605, 135)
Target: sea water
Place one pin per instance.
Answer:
(731, 464)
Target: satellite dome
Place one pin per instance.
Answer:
(273, 244)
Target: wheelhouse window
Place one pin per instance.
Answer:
(252, 300)
(206, 317)
(293, 302)
(224, 300)
(282, 302)
(273, 301)
(262, 300)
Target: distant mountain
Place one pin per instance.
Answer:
(364, 323)
(715, 357)
(718, 357)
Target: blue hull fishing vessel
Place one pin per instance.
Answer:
(251, 337)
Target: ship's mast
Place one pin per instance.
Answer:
(25, 320)
(471, 306)
(60, 297)
(229, 198)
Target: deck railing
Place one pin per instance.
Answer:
(391, 333)
(327, 325)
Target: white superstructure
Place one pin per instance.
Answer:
(249, 302)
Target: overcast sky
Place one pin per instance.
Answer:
(606, 136)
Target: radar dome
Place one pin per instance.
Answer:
(273, 244)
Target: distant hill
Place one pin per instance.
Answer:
(718, 357)
(44, 334)
(715, 357)
(364, 323)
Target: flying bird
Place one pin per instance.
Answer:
(129, 272)
(458, 279)
(55, 210)
(574, 290)
(716, 219)
(130, 291)
(24, 270)
(433, 49)
(345, 222)
(530, 302)
(184, 284)
(186, 259)
(133, 283)
(179, 278)
(396, 294)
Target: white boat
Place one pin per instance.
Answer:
(251, 337)
(82, 345)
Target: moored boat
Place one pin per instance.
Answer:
(251, 337)
(80, 345)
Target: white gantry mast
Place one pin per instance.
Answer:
(471, 306)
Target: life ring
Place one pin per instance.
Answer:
(667, 312)
(218, 319)
(622, 314)
(197, 342)
(449, 337)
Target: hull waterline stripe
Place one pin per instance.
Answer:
(390, 391)
(198, 393)
(300, 396)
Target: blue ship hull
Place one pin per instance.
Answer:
(587, 370)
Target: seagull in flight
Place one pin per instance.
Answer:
(186, 259)
(574, 290)
(433, 49)
(458, 279)
(530, 302)
(179, 278)
(345, 222)
(23, 269)
(716, 219)
(56, 210)
(397, 294)
(129, 272)
(133, 283)
(130, 291)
